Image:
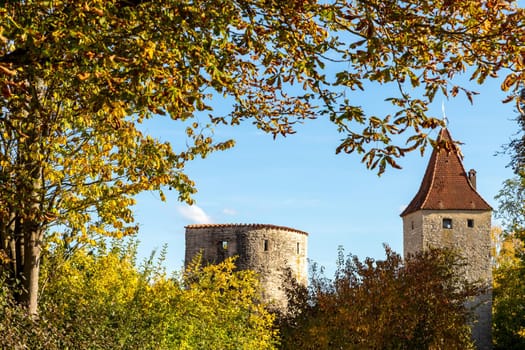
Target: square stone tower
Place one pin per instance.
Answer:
(448, 212)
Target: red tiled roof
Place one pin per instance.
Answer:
(255, 226)
(446, 184)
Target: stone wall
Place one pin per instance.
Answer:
(424, 229)
(412, 233)
(266, 249)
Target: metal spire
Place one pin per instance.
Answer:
(445, 119)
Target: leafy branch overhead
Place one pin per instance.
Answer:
(254, 52)
(78, 78)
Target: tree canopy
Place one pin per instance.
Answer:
(97, 298)
(418, 303)
(509, 294)
(516, 147)
(77, 79)
(509, 270)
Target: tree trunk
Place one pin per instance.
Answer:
(31, 270)
(22, 246)
(29, 234)
(22, 222)
(32, 233)
(11, 257)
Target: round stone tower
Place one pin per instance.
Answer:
(266, 249)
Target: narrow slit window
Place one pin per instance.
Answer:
(266, 245)
(447, 223)
(412, 225)
(470, 223)
(298, 248)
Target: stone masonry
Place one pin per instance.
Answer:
(266, 249)
(428, 231)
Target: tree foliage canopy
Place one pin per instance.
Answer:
(418, 303)
(98, 299)
(509, 289)
(511, 207)
(516, 147)
(77, 79)
(509, 295)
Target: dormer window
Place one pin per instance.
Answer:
(447, 223)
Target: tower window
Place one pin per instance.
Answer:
(224, 245)
(412, 225)
(298, 248)
(470, 223)
(265, 245)
(447, 223)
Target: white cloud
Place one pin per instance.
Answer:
(229, 211)
(194, 214)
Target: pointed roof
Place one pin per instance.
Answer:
(446, 184)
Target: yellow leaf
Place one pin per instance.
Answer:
(7, 71)
(83, 76)
(508, 82)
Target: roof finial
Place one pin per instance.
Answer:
(445, 119)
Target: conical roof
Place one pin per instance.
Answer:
(446, 184)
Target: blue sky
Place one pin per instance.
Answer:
(299, 182)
